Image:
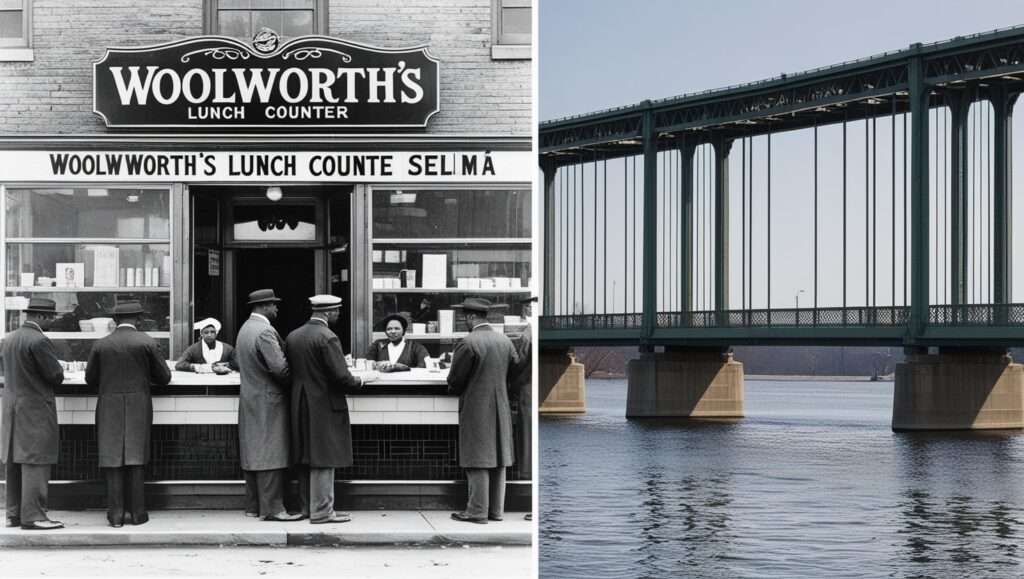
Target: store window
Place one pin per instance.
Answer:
(88, 249)
(15, 30)
(512, 29)
(433, 248)
(244, 18)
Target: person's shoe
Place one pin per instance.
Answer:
(251, 514)
(12, 522)
(140, 519)
(528, 517)
(335, 518)
(282, 517)
(45, 525)
(468, 519)
(493, 518)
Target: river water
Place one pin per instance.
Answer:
(812, 483)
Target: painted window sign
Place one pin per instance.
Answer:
(307, 82)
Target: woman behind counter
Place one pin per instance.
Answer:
(397, 353)
(208, 351)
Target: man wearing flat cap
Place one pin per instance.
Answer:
(123, 367)
(479, 375)
(263, 409)
(208, 353)
(30, 438)
(321, 431)
(395, 353)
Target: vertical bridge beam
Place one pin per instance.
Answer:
(550, 170)
(959, 107)
(919, 99)
(722, 147)
(650, 221)
(687, 151)
(1002, 249)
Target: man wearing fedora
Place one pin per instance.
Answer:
(123, 367)
(479, 375)
(29, 439)
(321, 431)
(263, 409)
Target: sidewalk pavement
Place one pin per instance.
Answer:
(228, 528)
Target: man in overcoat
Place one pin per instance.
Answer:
(521, 389)
(321, 431)
(29, 436)
(123, 367)
(479, 375)
(263, 409)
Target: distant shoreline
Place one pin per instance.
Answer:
(769, 378)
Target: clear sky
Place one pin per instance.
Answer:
(596, 54)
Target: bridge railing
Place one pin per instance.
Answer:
(976, 315)
(593, 322)
(820, 317)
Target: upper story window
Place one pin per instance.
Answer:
(289, 18)
(15, 30)
(511, 23)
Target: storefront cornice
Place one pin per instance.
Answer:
(259, 142)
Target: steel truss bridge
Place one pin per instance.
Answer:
(659, 217)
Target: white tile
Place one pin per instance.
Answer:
(446, 403)
(63, 417)
(75, 403)
(373, 403)
(163, 403)
(209, 417)
(234, 403)
(366, 417)
(443, 418)
(90, 403)
(58, 403)
(403, 418)
(83, 417)
(416, 403)
(204, 403)
(165, 417)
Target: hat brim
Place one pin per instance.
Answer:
(478, 309)
(40, 311)
(265, 300)
(326, 308)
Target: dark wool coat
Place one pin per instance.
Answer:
(194, 355)
(479, 375)
(319, 371)
(414, 355)
(263, 396)
(29, 422)
(122, 367)
(521, 388)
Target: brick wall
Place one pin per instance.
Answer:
(53, 94)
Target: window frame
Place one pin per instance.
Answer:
(19, 49)
(320, 19)
(502, 47)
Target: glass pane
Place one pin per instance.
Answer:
(434, 266)
(86, 265)
(97, 212)
(10, 24)
(222, 4)
(297, 23)
(268, 18)
(234, 24)
(88, 314)
(433, 214)
(515, 20)
(266, 3)
(275, 223)
(423, 308)
(301, 4)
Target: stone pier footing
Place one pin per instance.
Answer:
(958, 391)
(562, 388)
(685, 383)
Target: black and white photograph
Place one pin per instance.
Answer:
(268, 270)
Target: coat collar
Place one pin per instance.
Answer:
(259, 317)
(484, 327)
(33, 326)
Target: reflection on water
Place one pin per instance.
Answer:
(811, 483)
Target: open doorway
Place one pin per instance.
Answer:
(289, 272)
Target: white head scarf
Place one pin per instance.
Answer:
(207, 322)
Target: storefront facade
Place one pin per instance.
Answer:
(384, 159)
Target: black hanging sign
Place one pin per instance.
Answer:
(307, 83)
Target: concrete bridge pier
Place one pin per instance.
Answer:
(685, 382)
(958, 390)
(562, 388)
